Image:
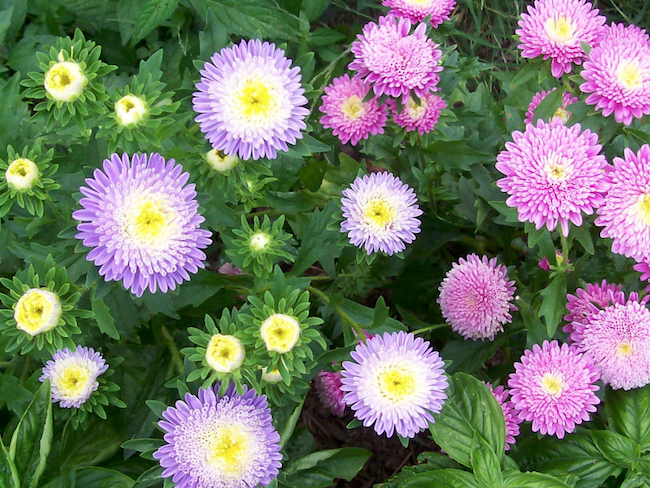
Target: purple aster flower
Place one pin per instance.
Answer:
(561, 113)
(617, 76)
(617, 339)
(380, 213)
(512, 422)
(141, 221)
(222, 442)
(553, 174)
(250, 101)
(395, 62)
(328, 386)
(395, 383)
(346, 112)
(73, 375)
(586, 302)
(422, 117)
(475, 297)
(555, 28)
(625, 214)
(621, 31)
(418, 10)
(554, 388)
(644, 269)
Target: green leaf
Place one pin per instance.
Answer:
(8, 474)
(319, 469)
(470, 408)
(617, 448)
(314, 8)
(32, 439)
(381, 313)
(102, 478)
(152, 14)
(628, 413)
(548, 106)
(532, 480)
(364, 316)
(485, 464)
(5, 22)
(441, 478)
(290, 425)
(104, 319)
(554, 303)
(13, 394)
(317, 239)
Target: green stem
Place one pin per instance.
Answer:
(52, 205)
(565, 249)
(431, 327)
(176, 356)
(344, 315)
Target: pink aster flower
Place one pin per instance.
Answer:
(586, 302)
(347, 114)
(512, 422)
(617, 339)
(475, 297)
(625, 214)
(395, 62)
(553, 174)
(555, 28)
(617, 77)
(422, 117)
(644, 269)
(417, 10)
(328, 386)
(561, 113)
(621, 31)
(554, 388)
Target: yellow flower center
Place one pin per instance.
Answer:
(559, 29)
(414, 110)
(624, 349)
(220, 162)
(130, 110)
(280, 333)
(562, 114)
(396, 384)
(73, 380)
(273, 376)
(630, 76)
(224, 353)
(553, 385)
(65, 81)
(379, 213)
(229, 450)
(37, 311)
(148, 221)
(259, 241)
(643, 208)
(21, 174)
(256, 100)
(353, 108)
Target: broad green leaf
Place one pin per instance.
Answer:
(314, 8)
(554, 303)
(290, 424)
(102, 478)
(317, 239)
(442, 478)
(364, 316)
(79, 449)
(152, 14)
(532, 480)
(548, 106)
(151, 477)
(470, 408)
(32, 439)
(615, 447)
(8, 473)
(14, 395)
(628, 413)
(104, 319)
(5, 22)
(470, 356)
(319, 469)
(485, 463)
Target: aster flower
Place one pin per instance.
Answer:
(555, 28)
(395, 62)
(475, 297)
(621, 31)
(422, 117)
(380, 213)
(224, 442)
(617, 339)
(220, 162)
(347, 112)
(250, 101)
(561, 113)
(328, 385)
(418, 10)
(617, 77)
(582, 305)
(644, 269)
(553, 174)
(553, 386)
(395, 383)
(625, 213)
(141, 221)
(512, 422)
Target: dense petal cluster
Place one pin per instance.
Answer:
(617, 339)
(587, 301)
(250, 101)
(512, 422)
(561, 113)
(555, 28)
(380, 213)
(422, 117)
(73, 375)
(395, 383)
(553, 174)
(553, 386)
(394, 61)
(328, 385)
(213, 442)
(140, 219)
(617, 76)
(625, 213)
(476, 297)
(418, 10)
(347, 112)
(621, 31)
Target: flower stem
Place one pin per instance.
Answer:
(344, 315)
(431, 327)
(565, 248)
(173, 349)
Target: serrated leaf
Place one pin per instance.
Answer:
(104, 319)
(152, 14)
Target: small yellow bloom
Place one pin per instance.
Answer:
(65, 81)
(220, 162)
(259, 241)
(130, 110)
(37, 311)
(280, 333)
(225, 353)
(273, 376)
(21, 174)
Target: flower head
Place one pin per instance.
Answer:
(250, 101)
(280, 332)
(418, 10)
(617, 76)
(225, 442)
(625, 213)
(621, 31)
(37, 311)
(347, 114)
(394, 61)
(475, 297)
(65, 81)
(617, 339)
(380, 213)
(512, 422)
(583, 304)
(553, 174)
(225, 353)
(553, 386)
(219, 161)
(422, 117)
(73, 375)
(22, 174)
(141, 221)
(395, 382)
(328, 385)
(555, 28)
(561, 113)
(130, 110)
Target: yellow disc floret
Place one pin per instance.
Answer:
(229, 450)
(353, 108)
(379, 214)
(73, 381)
(630, 76)
(256, 100)
(148, 221)
(272, 376)
(624, 349)
(553, 385)
(280, 333)
(21, 174)
(65, 81)
(220, 162)
(37, 311)
(259, 241)
(130, 110)
(559, 29)
(642, 208)
(396, 384)
(225, 353)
